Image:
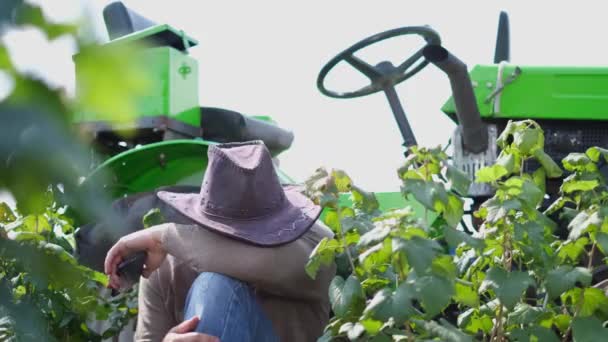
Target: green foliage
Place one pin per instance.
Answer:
(41, 278)
(44, 293)
(514, 279)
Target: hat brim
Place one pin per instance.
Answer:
(294, 219)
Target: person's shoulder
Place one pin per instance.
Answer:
(318, 231)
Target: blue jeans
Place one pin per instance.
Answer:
(227, 309)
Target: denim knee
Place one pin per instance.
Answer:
(228, 309)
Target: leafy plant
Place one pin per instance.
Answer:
(44, 293)
(404, 277)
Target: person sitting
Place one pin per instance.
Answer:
(238, 272)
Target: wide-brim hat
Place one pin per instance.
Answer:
(241, 197)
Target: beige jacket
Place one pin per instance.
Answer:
(297, 305)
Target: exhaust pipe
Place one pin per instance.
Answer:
(474, 131)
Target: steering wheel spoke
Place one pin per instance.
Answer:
(410, 61)
(362, 66)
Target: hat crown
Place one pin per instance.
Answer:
(241, 182)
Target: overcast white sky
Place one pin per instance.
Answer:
(263, 57)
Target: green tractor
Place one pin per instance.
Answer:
(570, 103)
(168, 139)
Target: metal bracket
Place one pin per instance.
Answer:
(501, 84)
(470, 163)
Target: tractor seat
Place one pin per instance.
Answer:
(223, 125)
(122, 21)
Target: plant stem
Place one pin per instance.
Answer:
(343, 238)
(591, 253)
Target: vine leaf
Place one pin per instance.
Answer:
(582, 222)
(466, 295)
(588, 329)
(564, 278)
(345, 296)
(444, 330)
(459, 180)
(534, 333)
(455, 237)
(490, 174)
(153, 218)
(553, 170)
(434, 292)
(508, 286)
(602, 241)
(525, 314)
(323, 254)
(420, 252)
(593, 299)
(386, 304)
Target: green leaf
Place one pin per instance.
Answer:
(374, 236)
(525, 314)
(363, 200)
(550, 166)
(342, 180)
(588, 329)
(376, 258)
(595, 152)
(572, 250)
(459, 180)
(593, 299)
(452, 213)
(490, 174)
(444, 330)
(434, 293)
(153, 218)
(504, 137)
(534, 333)
(578, 162)
(528, 140)
(531, 193)
(508, 161)
(444, 266)
(539, 176)
(572, 185)
(420, 252)
(6, 213)
(455, 237)
(323, 254)
(386, 304)
(32, 223)
(466, 295)
(371, 326)
(430, 194)
(508, 286)
(347, 296)
(495, 209)
(28, 236)
(602, 241)
(583, 222)
(352, 330)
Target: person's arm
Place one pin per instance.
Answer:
(275, 270)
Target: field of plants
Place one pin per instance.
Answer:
(402, 278)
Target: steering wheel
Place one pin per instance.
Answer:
(384, 74)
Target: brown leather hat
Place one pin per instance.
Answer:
(241, 197)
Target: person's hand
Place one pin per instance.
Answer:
(148, 240)
(183, 333)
